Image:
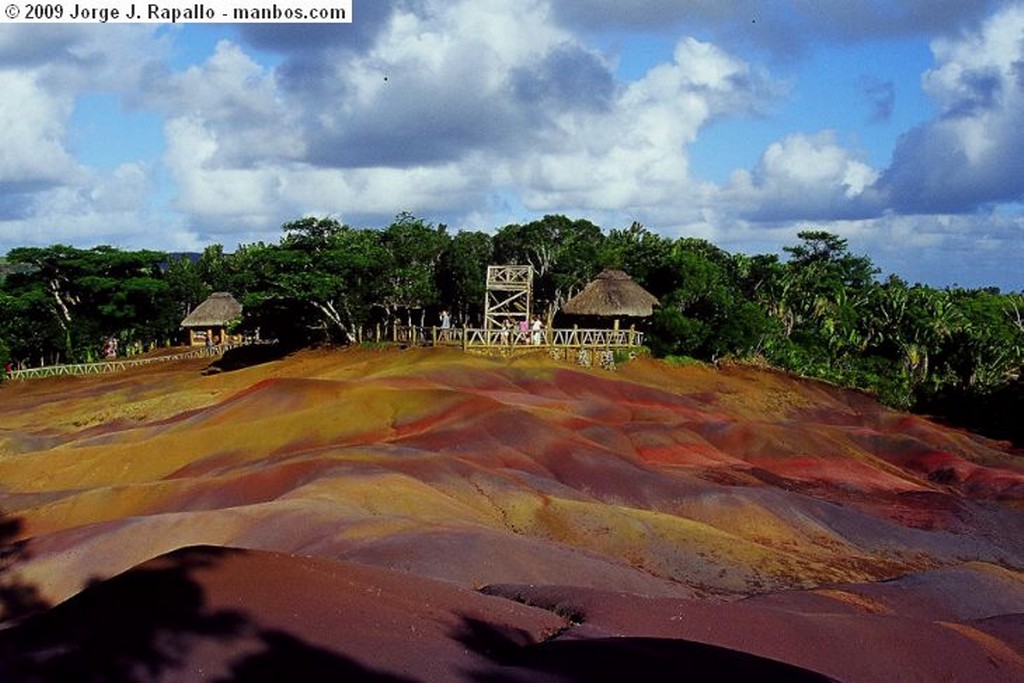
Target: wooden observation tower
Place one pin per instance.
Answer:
(509, 295)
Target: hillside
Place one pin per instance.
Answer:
(428, 515)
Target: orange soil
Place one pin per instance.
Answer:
(735, 508)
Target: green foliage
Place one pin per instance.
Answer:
(462, 274)
(316, 284)
(820, 312)
(642, 254)
(186, 286)
(65, 301)
(704, 310)
(565, 256)
(414, 250)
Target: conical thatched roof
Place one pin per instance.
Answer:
(217, 311)
(612, 294)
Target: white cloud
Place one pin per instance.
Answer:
(210, 189)
(237, 98)
(971, 154)
(32, 132)
(110, 208)
(478, 113)
(46, 194)
(448, 105)
(631, 156)
(804, 177)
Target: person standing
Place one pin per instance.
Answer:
(446, 325)
(538, 331)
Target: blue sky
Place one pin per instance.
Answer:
(895, 123)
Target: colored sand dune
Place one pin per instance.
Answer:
(428, 515)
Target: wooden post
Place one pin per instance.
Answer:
(632, 336)
(465, 336)
(433, 336)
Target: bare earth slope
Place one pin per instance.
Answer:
(427, 515)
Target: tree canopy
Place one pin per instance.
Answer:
(817, 308)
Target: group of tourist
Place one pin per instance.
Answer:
(524, 331)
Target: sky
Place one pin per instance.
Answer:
(897, 124)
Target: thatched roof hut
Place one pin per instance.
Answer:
(209, 321)
(218, 310)
(612, 294)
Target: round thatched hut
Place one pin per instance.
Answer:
(612, 294)
(209, 322)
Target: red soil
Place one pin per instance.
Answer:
(346, 508)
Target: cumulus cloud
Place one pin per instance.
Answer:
(970, 155)
(437, 85)
(100, 208)
(23, 45)
(46, 194)
(41, 74)
(369, 19)
(631, 154)
(238, 100)
(478, 113)
(804, 177)
(450, 104)
(32, 131)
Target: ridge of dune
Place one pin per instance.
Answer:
(735, 489)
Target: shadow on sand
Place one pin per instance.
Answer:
(248, 356)
(616, 659)
(17, 598)
(147, 625)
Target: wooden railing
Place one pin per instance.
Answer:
(470, 338)
(118, 365)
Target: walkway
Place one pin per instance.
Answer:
(119, 365)
(585, 347)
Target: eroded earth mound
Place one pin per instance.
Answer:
(429, 515)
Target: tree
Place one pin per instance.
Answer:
(706, 314)
(66, 300)
(643, 255)
(986, 349)
(823, 289)
(320, 280)
(414, 249)
(462, 273)
(827, 256)
(186, 284)
(565, 256)
(214, 270)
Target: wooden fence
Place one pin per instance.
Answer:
(118, 365)
(503, 339)
(561, 343)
